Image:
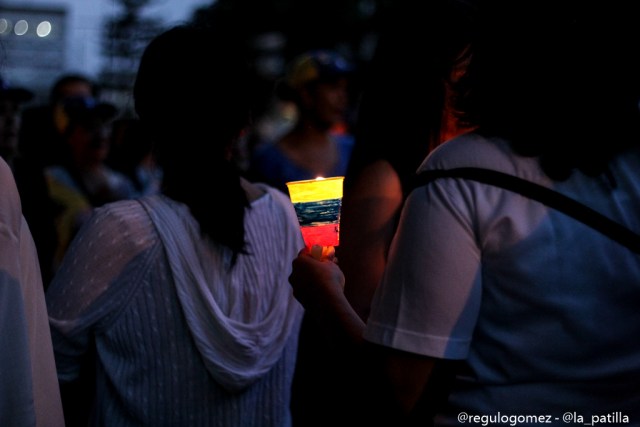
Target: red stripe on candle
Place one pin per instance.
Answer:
(322, 235)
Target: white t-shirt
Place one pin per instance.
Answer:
(544, 310)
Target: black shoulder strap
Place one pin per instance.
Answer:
(542, 194)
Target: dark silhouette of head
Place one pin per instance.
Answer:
(559, 80)
(73, 85)
(400, 113)
(192, 95)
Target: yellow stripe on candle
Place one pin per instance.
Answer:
(312, 190)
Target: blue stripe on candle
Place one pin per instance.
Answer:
(318, 213)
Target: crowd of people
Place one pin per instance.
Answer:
(148, 276)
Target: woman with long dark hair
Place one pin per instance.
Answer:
(185, 293)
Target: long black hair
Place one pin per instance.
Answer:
(558, 79)
(401, 110)
(192, 94)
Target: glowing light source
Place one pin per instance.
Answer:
(21, 27)
(317, 203)
(4, 25)
(43, 29)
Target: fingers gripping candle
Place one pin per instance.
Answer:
(317, 203)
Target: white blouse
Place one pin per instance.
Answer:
(182, 338)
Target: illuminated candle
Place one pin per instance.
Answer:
(317, 203)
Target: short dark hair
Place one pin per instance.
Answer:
(557, 78)
(66, 79)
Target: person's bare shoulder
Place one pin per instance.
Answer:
(379, 179)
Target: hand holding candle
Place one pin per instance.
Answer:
(317, 203)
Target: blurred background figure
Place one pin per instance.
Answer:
(12, 100)
(37, 207)
(132, 154)
(41, 144)
(319, 141)
(41, 135)
(81, 179)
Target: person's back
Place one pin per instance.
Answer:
(540, 308)
(185, 293)
(181, 341)
(542, 302)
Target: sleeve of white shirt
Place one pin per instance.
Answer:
(29, 392)
(429, 298)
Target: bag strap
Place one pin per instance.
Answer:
(542, 194)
